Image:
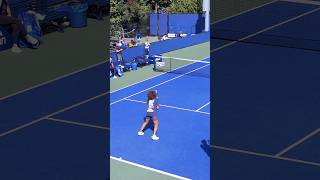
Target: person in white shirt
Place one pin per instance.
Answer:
(152, 107)
(147, 47)
(164, 37)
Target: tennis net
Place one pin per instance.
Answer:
(188, 67)
(270, 39)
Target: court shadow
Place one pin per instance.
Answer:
(205, 146)
(150, 126)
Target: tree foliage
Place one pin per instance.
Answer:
(126, 14)
(116, 16)
(135, 11)
(186, 7)
(162, 4)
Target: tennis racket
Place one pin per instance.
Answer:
(157, 99)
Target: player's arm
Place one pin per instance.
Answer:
(157, 105)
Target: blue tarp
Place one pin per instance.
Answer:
(175, 23)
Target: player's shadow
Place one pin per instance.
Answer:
(150, 126)
(205, 146)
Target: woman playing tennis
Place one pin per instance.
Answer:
(152, 107)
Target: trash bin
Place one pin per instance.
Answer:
(134, 66)
(78, 15)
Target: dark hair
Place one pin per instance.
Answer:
(152, 95)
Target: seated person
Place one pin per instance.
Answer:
(164, 37)
(181, 34)
(132, 44)
(17, 27)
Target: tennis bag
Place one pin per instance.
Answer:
(31, 24)
(119, 70)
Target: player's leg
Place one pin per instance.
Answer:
(156, 126)
(144, 124)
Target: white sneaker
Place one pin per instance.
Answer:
(16, 49)
(31, 40)
(140, 133)
(154, 137)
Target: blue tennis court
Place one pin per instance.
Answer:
(184, 130)
(266, 69)
(57, 130)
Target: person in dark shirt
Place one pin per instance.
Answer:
(113, 69)
(16, 26)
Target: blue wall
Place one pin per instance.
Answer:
(130, 53)
(163, 24)
(160, 47)
(5, 39)
(174, 23)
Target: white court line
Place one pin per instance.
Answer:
(264, 30)
(154, 76)
(78, 123)
(53, 80)
(50, 115)
(164, 82)
(173, 107)
(203, 106)
(303, 2)
(265, 155)
(149, 168)
(297, 143)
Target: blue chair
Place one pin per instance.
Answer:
(127, 64)
(53, 12)
(141, 60)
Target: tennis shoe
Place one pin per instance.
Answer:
(140, 133)
(16, 49)
(154, 137)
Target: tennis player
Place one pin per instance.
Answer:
(152, 107)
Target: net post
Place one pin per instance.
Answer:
(206, 9)
(170, 64)
(154, 65)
